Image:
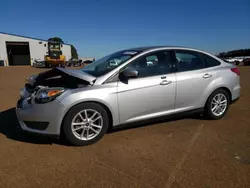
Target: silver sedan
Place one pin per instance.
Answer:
(124, 87)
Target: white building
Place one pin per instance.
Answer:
(21, 50)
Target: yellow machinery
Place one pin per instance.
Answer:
(54, 56)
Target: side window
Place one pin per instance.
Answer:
(210, 61)
(152, 64)
(151, 60)
(188, 61)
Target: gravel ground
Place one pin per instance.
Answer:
(187, 152)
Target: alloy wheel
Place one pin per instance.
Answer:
(219, 104)
(87, 124)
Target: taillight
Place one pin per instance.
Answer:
(236, 70)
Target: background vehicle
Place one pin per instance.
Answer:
(84, 103)
(55, 56)
(224, 59)
(246, 62)
(232, 60)
(75, 63)
(235, 60)
(38, 63)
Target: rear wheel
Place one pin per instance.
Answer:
(85, 124)
(217, 104)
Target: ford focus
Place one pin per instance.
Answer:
(125, 87)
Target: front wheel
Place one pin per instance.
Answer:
(217, 104)
(85, 124)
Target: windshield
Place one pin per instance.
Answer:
(53, 46)
(108, 63)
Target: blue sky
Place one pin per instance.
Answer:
(99, 27)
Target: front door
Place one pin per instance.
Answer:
(152, 93)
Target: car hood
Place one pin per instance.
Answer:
(61, 77)
(78, 74)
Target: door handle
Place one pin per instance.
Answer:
(165, 82)
(207, 75)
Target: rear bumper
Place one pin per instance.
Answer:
(236, 93)
(235, 100)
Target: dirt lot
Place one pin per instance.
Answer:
(185, 153)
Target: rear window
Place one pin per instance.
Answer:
(210, 61)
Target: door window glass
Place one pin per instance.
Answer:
(188, 60)
(210, 62)
(153, 64)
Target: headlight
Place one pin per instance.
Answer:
(47, 95)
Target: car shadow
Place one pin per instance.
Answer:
(11, 129)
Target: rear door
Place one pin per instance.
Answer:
(152, 93)
(193, 77)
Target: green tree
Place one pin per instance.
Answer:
(222, 54)
(74, 53)
(56, 39)
(235, 53)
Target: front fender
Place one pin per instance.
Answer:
(105, 96)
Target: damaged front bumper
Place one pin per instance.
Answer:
(39, 118)
(46, 118)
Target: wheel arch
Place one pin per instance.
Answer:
(224, 88)
(111, 119)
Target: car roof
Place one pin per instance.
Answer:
(146, 48)
(149, 48)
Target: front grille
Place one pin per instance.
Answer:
(36, 125)
(54, 55)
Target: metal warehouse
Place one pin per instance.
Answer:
(21, 50)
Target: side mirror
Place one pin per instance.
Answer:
(130, 73)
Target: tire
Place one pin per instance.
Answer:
(79, 138)
(210, 105)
